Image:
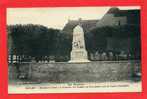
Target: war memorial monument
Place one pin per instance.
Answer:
(78, 53)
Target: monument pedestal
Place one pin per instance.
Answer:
(78, 56)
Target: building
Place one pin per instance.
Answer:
(114, 17)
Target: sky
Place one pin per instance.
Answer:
(56, 17)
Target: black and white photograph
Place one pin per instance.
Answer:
(74, 49)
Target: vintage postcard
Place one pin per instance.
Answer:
(74, 49)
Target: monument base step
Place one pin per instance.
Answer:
(79, 61)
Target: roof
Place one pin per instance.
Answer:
(119, 12)
(87, 25)
(133, 17)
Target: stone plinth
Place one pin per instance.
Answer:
(79, 56)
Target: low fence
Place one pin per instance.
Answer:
(91, 56)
